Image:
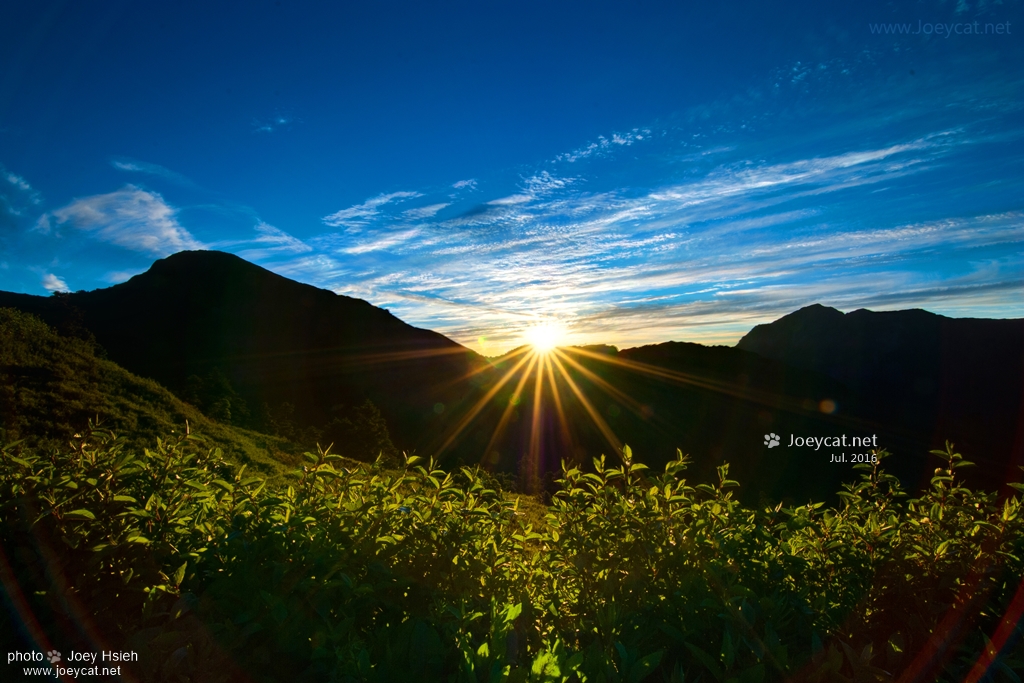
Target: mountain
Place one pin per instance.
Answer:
(254, 349)
(939, 378)
(264, 348)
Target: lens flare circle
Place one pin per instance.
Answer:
(544, 337)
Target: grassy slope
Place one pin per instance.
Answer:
(51, 386)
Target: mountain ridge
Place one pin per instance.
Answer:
(962, 378)
(275, 340)
(211, 322)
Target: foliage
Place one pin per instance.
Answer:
(366, 574)
(52, 384)
(361, 433)
(214, 395)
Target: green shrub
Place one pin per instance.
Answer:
(365, 574)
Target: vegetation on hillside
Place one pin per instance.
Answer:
(349, 574)
(52, 383)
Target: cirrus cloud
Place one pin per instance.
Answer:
(131, 217)
(360, 214)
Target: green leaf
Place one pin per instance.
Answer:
(179, 574)
(546, 666)
(80, 514)
(645, 666)
(728, 654)
(707, 660)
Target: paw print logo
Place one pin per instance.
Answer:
(53, 656)
(771, 440)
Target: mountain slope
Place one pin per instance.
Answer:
(51, 386)
(211, 314)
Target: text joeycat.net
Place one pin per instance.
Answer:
(843, 441)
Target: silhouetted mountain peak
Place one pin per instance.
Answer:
(810, 335)
(217, 272)
(819, 311)
(203, 264)
(199, 314)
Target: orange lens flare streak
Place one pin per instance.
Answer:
(533, 458)
(513, 402)
(482, 368)
(752, 395)
(595, 416)
(603, 384)
(774, 401)
(481, 404)
(557, 396)
(645, 369)
(398, 356)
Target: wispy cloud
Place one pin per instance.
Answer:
(18, 199)
(604, 145)
(269, 242)
(19, 183)
(133, 166)
(280, 240)
(273, 124)
(116, 277)
(703, 258)
(359, 215)
(512, 200)
(544, 183)
(465, 184)
(130, 217)
(425, 211)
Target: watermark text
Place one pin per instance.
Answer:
(960, 28)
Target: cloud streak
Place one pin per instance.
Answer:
(133, 166)
(704, 258)
(359, 215)
(131, 218)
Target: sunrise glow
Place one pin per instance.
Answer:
(545, 337)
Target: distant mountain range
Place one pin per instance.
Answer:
(922, 375)
(255, 349)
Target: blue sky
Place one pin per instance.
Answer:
(629, 172)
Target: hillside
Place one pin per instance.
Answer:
(51, 386)
(286, 350)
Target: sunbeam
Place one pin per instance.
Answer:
(533, 358)
(481, 404)
(595, 416)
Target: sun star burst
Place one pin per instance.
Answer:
(544, 337)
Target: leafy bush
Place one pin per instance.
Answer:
(365, 574)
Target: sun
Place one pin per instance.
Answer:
(544, 337)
